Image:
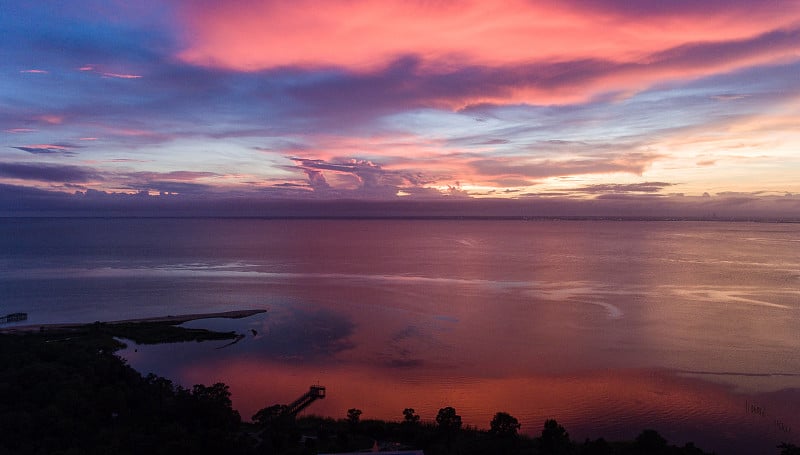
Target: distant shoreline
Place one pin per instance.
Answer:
(380, 217)
(171, 319)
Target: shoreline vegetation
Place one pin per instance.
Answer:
(152, 330)
(63, 390)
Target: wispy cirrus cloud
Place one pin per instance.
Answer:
(122, 75)
(20, 130)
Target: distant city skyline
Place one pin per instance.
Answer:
(401, 108)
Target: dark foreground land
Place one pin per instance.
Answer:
(64, 391)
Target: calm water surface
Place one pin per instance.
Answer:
(609, 327)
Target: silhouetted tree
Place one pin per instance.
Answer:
(504, 425)
(789, 449)
(75, 396)
(690, 449)
(555, 439)
(448, 423)
(275, 424)
(596, 447)
(410, 417)
(353, 416)
(448, 420)
(649, 441)
(269, 415)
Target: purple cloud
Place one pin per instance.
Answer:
(346, 99)
(638, 9)
(46, 172)
(644, 187)
(63, 149)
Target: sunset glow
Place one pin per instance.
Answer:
(574, 101)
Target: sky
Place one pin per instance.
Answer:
(520, 107)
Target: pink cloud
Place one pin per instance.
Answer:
(51, 119)
(518, 51)
(111, 74)
(19, 130)
(365, 35)
(122, 76)
(48, 146)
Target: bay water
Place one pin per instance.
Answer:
(690, 328)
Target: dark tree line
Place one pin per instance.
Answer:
(72, 395)
(446, 435)
(60, 396)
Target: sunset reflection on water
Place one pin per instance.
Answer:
(609, 327)
(609, 403)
